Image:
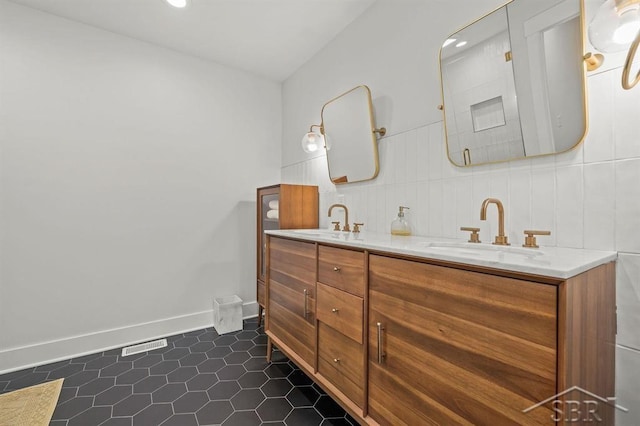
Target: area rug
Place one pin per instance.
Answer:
(32, 406)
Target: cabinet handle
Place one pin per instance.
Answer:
(335, 310)
(380, 353)
(336, 268)
(306, 293)
(336, 360)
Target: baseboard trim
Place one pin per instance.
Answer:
(249, 310)
(15, 359)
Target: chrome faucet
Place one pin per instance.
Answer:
(345, 228)
(501, 238)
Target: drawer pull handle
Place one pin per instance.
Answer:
(306, 293)
(336, 268)
(336, 360)
(335, 310)
(381, 354)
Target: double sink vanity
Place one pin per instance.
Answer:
(413, 330)
(405, 330)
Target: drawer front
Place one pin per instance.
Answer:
(340, 310)
(340, 360)
(342, 269)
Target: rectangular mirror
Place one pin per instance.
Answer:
(513, 83)
(350, 140)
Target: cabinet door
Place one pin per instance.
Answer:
(291, 298)
(298, 206)
(448, 346)
(282, 207)
(268, 219)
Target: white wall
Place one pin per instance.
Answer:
(588, 198)
(127, 186)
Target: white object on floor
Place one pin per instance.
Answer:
(227, 314)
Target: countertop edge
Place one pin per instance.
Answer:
(409, 246)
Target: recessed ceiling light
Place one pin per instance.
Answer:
(177, 3)
(448, 42)
(462, 43)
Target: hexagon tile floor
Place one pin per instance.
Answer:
(200, 378)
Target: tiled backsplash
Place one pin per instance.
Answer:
(588, 198)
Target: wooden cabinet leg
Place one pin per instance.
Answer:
(260, 310)
(269, 349)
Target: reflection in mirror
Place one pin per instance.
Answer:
(513, 83)
(350, 140)
(481, 108)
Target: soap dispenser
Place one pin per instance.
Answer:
(400, 226)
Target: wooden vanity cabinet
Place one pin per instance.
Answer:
(297, 209)
(406, 341)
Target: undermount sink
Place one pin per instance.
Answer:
(327, 234)
(316, 232)
(479, 249)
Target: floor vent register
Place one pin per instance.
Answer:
(144, 347)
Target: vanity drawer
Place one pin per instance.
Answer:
(341, 361)
(342, 269)
(340, 310)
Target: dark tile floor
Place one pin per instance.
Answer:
(200, 378)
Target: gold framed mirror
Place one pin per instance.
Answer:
(514, 83)
(349, 131)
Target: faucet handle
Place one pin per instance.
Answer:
(356, 227)
(530, 240)
(336, 225)
(474, 237)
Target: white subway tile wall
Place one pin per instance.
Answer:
(627, 189)
(569, 206)
(599, 206)
(628, 300)
(588, 198)
(598, 144)
(625, 120)
(627, 386)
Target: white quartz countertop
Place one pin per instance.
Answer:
(555, 262)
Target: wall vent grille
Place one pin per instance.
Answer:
(144, 347)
